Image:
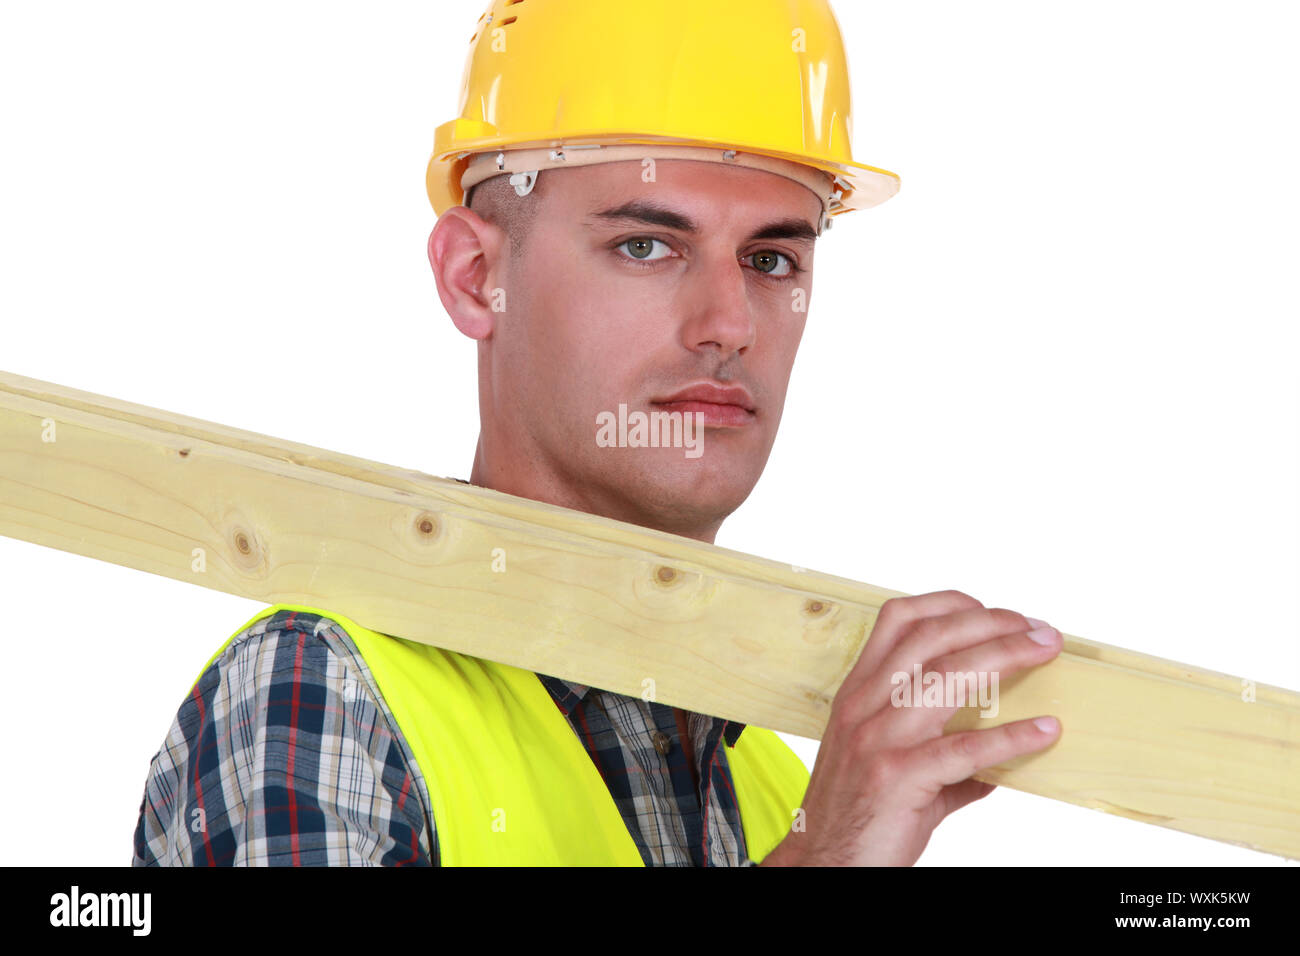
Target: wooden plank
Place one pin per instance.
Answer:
(605, 603)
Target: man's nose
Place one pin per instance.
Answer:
(721, 314)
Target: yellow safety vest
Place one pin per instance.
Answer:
(510, 781)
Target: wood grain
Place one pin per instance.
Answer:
(606, 603)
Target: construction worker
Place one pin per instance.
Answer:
(628, 208)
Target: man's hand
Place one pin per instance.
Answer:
(886, 775)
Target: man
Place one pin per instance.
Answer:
(655, 257)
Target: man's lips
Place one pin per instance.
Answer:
(720, 405)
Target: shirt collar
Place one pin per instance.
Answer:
(567, 695)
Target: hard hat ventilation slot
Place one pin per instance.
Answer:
(509, 20)
(506, 22)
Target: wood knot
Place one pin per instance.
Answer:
(427, 524)
(184, 452)
(815, 608)
(673, 593)
(246, 552)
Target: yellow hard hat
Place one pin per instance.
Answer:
(554, 83)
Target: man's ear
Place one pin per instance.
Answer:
(464, 252)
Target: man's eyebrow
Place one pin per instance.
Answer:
(652, 214)
(793, 228)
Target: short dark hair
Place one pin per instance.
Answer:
(498, 204)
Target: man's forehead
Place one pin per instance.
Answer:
(614, 200)
(654, 212)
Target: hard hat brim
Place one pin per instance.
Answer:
(455, 141)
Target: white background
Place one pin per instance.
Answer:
(1057, 371)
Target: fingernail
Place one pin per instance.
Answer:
(1036, 622)
(1047, 725)
(1043, 635)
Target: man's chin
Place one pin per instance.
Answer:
(675, 493)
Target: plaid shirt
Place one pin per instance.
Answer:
(285, 753)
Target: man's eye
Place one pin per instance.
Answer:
(769, 263)
(642, 247)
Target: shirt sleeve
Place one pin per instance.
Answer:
(282, 755)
